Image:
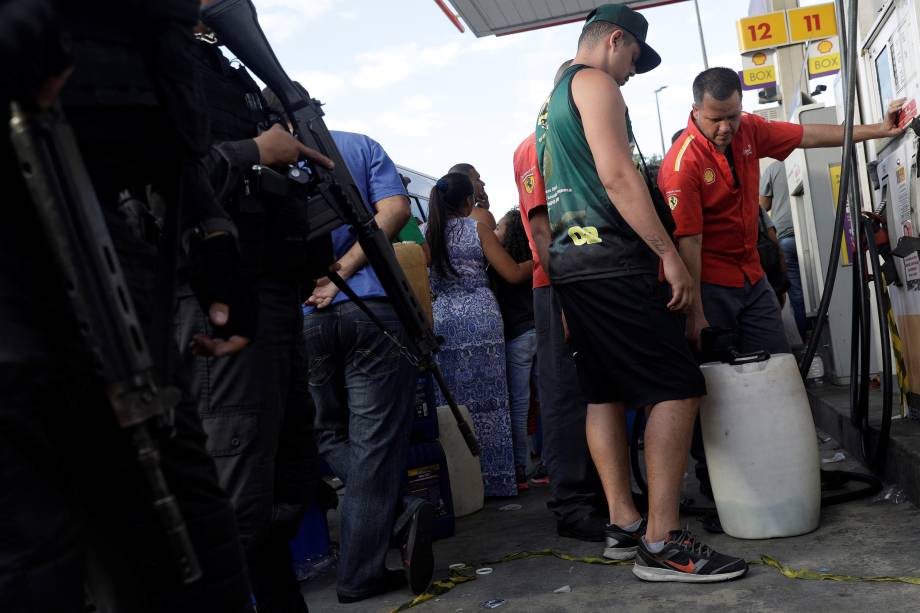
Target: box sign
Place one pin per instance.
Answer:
(763, 31)
(812, 22)
(758, 70)
(823, 57)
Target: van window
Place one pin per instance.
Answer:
(419, 188)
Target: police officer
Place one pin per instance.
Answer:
(251, 401)
(71, 490)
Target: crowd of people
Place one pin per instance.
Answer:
(594, 293)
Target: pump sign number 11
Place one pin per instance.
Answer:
(812, 22)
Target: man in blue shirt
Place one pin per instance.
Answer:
(363, 388)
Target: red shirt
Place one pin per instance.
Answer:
(698, 185)
(532, 196)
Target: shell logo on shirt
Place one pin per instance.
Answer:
(709, 176)
(527, 182)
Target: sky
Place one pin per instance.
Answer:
(400, 72)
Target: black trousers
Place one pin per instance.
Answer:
(573, 478)
(256, 409)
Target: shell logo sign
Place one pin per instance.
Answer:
(823, 57)
(758, 70)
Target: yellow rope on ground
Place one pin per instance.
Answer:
(457, 576)
(810, 575)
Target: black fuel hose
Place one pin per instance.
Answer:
(876, 457)
(830, 276)
(860, 340)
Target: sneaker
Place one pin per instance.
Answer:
(686, 560)
(589, 528)
(620, 544)
(539, 475)
(418, 558)
(521, 478)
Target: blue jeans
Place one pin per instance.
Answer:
(520, 365)
(363, 390)
(753, 311)
(796, 297)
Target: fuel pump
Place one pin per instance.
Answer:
(890, 69)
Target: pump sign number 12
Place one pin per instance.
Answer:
(763, 31)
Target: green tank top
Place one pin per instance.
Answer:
(590, 239)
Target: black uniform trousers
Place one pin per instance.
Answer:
(563, 410)
(256, 409)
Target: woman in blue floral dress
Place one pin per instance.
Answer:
(466, 314)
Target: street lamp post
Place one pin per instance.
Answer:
(660, 129)
(699, 27)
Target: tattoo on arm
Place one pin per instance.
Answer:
(658, 245)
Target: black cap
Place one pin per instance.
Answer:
(632, 22)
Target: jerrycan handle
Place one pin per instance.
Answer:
(748, 358)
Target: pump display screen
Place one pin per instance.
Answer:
(883, 71)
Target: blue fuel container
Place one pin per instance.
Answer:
(427, 478)
(310, 552)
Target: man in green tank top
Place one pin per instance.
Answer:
(608, 252)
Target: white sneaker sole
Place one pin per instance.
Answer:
(620, 553)
(647, 573)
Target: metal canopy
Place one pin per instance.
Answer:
(500, 17)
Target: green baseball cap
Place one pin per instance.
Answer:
(632, 22)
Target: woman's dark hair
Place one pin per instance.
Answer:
(515, 241)
(449, 198)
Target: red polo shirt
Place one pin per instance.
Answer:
(532, 195)
(698, 185)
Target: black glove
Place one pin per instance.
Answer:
(32, 47)
(214, 276)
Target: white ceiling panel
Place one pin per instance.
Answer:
(500, 17)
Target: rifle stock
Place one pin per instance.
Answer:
(236, 25)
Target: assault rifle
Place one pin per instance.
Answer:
(237, 27)
(63, 194)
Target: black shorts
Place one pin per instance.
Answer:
(628, 346)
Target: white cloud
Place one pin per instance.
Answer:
(349, 125)
(395, 64)
(420, 125)
(495, 43)
(282, 19)
(325, 86)
(420, 102)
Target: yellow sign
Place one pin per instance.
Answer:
(762, 31)
(823, 57)
(834, 170)
(761, 76)
(812, 22)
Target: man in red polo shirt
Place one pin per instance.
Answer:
(710, 179)
(573, 478)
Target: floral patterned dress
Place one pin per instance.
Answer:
(472, 357)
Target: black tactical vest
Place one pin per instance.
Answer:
(271, 228)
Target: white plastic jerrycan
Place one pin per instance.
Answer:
(761, 447)
(463, 468)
